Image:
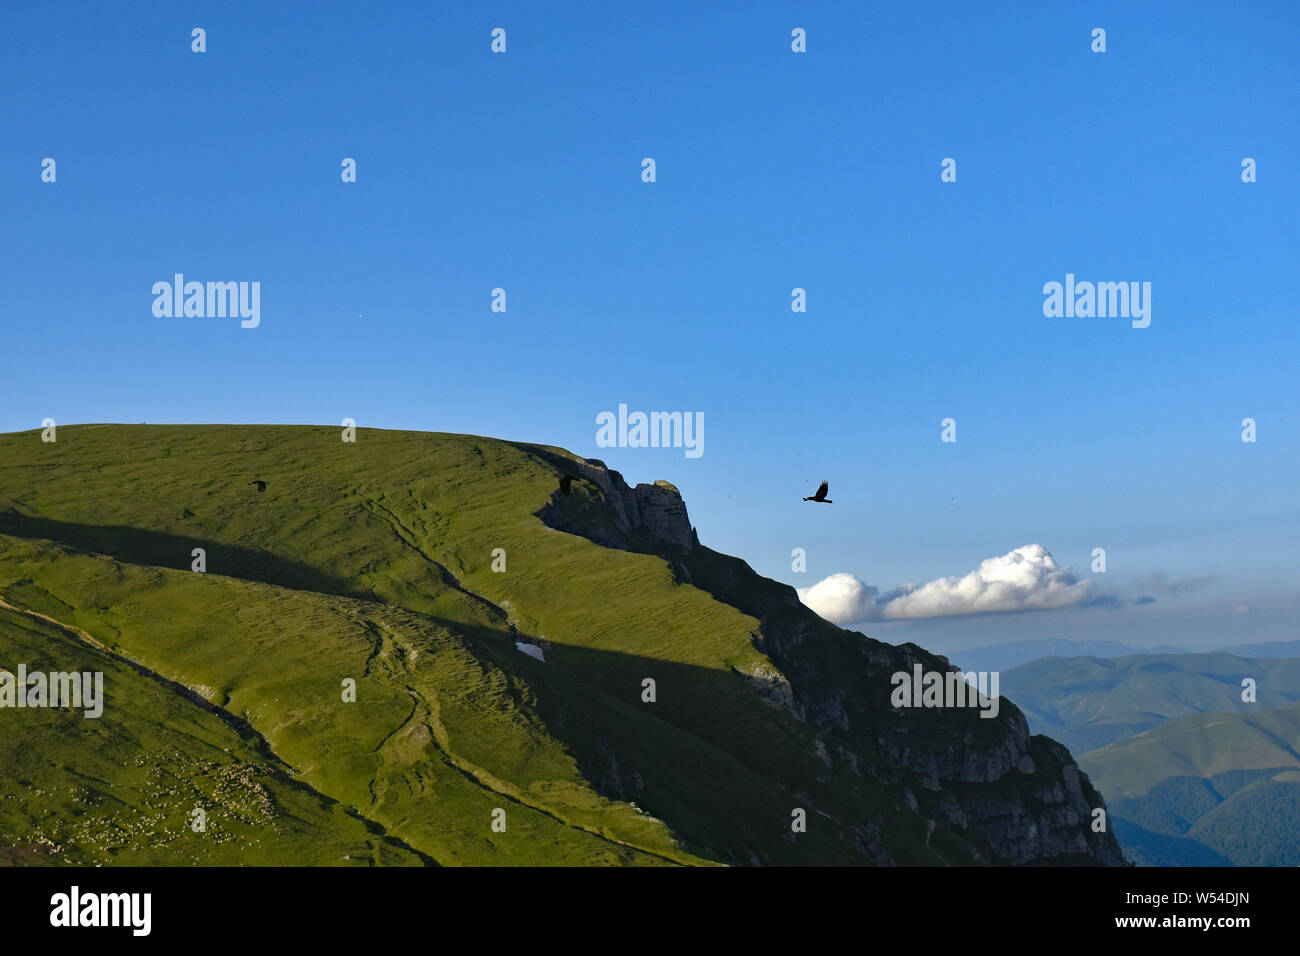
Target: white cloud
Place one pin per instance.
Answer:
(1026, 579)
(842, 598)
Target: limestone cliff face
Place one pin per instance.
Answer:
(655, 512)
(662, 514)
(1013, 797)
(1022, 798)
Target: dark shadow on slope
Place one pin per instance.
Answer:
(725, 769)
(160, 549)
(707, 757)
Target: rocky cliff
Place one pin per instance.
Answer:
(654, 512)
(1017, 798)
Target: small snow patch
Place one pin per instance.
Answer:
(532, 650)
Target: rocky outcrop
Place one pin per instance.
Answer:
(776, 690)
(662, 514)
(652, 511)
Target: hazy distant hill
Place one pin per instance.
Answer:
(1268, 649)
(575, 668)
(1088, 702)
(1222, 784)
(1003, 657)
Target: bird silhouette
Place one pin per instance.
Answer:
(821, 494)
(565, 482)
(261, 485)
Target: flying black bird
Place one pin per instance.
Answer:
(261, 485)
(565, 482)
(821, 494)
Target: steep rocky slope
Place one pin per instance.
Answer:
(1021, 797)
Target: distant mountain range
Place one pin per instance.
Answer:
(1193, 775)
(1206, 789)
(1089, 702)
(1269, 649)
(1003, 657)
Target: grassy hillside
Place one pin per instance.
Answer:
(1224, 783)
(74, 792)
(373, 562)
(1088, 702)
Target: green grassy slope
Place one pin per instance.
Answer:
(121, 788)
(428, 749)
(373, 562)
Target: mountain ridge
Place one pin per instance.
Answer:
(385, 549)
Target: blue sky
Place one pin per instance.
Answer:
(775, 170)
